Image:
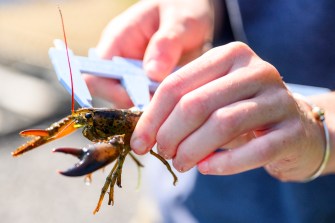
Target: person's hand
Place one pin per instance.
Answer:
(227, 93)
(161, 32)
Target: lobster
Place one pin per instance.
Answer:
(109, 129)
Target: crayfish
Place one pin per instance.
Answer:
(109, 129)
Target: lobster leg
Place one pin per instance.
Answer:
(113, 178)
(104, 189)
(175, 179)
(139, 164)
(116, 176)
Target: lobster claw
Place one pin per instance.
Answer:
(91, 158)
(40, 137)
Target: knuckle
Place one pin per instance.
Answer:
(240, 49)
(163, 146)
(164, 38)
(271, 71)
(225, 121)
(238, 53)
(267, 74)
(192, 107)
(260, 67)
(239, 46)
(173, 86)
(190, 22)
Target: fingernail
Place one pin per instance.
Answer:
(138, 146)
(203, 167)
(179, 167)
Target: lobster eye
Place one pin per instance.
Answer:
(88, 115)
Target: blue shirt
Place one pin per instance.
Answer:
(296, 36)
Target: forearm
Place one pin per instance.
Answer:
(327, 102)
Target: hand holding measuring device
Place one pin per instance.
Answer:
(128, 71)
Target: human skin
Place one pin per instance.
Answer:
(162, 33)
(226, 93)
(226, 98)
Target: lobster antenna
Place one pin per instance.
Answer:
(68, 58)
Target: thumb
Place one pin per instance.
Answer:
(181, 31)
(162, 54)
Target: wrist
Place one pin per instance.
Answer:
(319, 126)
(325, 101)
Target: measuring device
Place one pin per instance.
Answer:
(128, 71)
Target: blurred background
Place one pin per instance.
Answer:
(31, 97)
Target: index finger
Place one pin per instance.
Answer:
(212, 65)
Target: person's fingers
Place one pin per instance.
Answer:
(284, 150)
(180, 32)
(212, 65)
(195, 107)
(128, 34)
(108, 89)
(239, 141)
(162, 54)
(224, 125)
(158, 32)
(256, 153)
